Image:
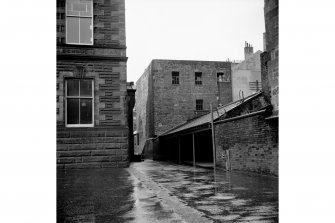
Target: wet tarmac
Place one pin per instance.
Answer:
(165, 192)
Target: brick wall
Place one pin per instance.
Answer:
(143, 107)
(252, 143)
(174, 104)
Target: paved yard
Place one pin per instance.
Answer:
(164, 192)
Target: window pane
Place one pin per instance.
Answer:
(86, 14)
(72, 13)
(68, 5)
(85, 30)
(73, 87)
(86, 88)
(79, 7)
(72, 111)
(72, 30)
(85, 111)
(89, 8)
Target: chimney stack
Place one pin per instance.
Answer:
(248, 50)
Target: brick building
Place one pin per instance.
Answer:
(92, 127)
(246, 75)
(246, 130)
(244, 138)
(172, 91)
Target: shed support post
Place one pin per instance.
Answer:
(179, 150)
(213, 138)
(193, 150)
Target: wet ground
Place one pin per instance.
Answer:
(164, 192)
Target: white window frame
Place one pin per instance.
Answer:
(79, 16)
(79, 97)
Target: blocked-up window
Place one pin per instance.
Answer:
(199, 105)
(79, 103)
(79, 22)
(175, 77)
(198, 78)
(223, 77)
(220, 76)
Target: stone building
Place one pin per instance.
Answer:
(246, 75)
(172, 91)
(130, 111)
(270, 58)
(92, 128)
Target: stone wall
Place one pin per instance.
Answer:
(105, 144)
(109, 89)
(108, 23)
(271, 61)
(92, 147)
(174, 104)
(252, 143)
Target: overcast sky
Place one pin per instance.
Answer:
(190, 30)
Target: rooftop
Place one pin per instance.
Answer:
(206, 119)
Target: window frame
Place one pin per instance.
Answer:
(79, 16)
(196, 104)
(198, 74)
(177, 77)
(79, 97)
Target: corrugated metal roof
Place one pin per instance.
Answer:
(207, 118)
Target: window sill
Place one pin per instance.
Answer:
(79, 126)
(109, 46)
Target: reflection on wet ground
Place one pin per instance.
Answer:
(108, 195)
(164, 192)
(221, 196)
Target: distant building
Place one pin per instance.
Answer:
(270, 58)
(130, 116)
(172, 91)
(92, 126)
(246, 75)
